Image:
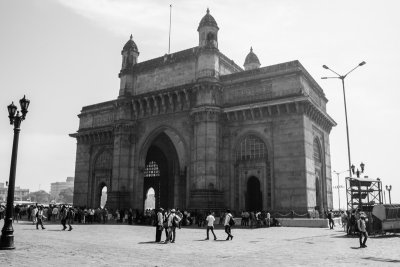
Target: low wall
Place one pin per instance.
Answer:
(314, 223)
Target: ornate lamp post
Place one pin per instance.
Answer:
(342, 77)
(7, 237)
(358, 172)
(389, 188)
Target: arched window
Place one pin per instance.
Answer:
(317, 151)
(151, 169)
(250, 148)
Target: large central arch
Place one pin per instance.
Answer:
(162, 157)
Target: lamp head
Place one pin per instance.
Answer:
(24, 106)
(362, 63)
(352, 168)
(12, 109)
(326, 67)
(324, 78)
(362, 165)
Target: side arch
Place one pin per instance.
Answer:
(320, 180)
(101, 170)
(252, 155)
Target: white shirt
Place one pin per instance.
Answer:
(210, 219)
(227, 218)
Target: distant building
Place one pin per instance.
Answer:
(57, 187)
(19, 193)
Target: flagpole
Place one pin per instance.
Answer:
(169, 36)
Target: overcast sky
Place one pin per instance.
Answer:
(66, 54)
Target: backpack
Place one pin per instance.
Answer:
(231, 221)
(175, 221)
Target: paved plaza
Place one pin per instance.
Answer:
(127, 245)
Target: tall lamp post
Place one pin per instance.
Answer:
(7, 237)
(342, 77)
(389, 188)
(338, 186)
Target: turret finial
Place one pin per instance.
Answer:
(208, 10)
(251, 49)
(131, 37)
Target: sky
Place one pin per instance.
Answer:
(66, 54)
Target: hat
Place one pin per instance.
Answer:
(173, 210)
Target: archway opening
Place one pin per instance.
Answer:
(103, 197)
(161, 173)
(150, 201)
(254, 197)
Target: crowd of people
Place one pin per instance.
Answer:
(353, 222)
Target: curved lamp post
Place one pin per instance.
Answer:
(342, 77)
(7, 237)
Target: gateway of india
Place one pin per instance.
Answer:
(205, 133)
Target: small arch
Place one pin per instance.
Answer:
(150, 201)
(253, 194)
(103, 195)
(210, 36)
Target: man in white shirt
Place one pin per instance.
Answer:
(228, 217)
(210, 225)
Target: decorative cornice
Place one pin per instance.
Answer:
(299, 105)
(206, 113)
(94, 136)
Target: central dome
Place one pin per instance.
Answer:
(207, 20)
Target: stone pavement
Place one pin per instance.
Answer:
(127, 245)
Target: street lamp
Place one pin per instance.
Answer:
(389, 188)
(338, 186)
(342, 77)
(7, 237)
(362, 166)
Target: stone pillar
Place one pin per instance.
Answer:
(205, 156)
(120, 193)
(82, 174)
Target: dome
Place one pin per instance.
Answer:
(130, 45)
(207, 20)
(251, 58)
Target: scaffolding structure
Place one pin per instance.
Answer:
(363, 193)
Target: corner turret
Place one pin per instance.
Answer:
(251, 62)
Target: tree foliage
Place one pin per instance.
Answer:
(40, 196)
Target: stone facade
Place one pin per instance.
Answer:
(206, 134)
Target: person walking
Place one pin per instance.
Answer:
(40, 216)
(330, 218)
(63, 216)
(33, 214)
(210, 225)
(70, 218)
(227, 224)
(159, 224)
(363, 231)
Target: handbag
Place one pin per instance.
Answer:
(231, 222)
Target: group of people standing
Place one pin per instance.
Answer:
(170, 220)
(355, 221)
